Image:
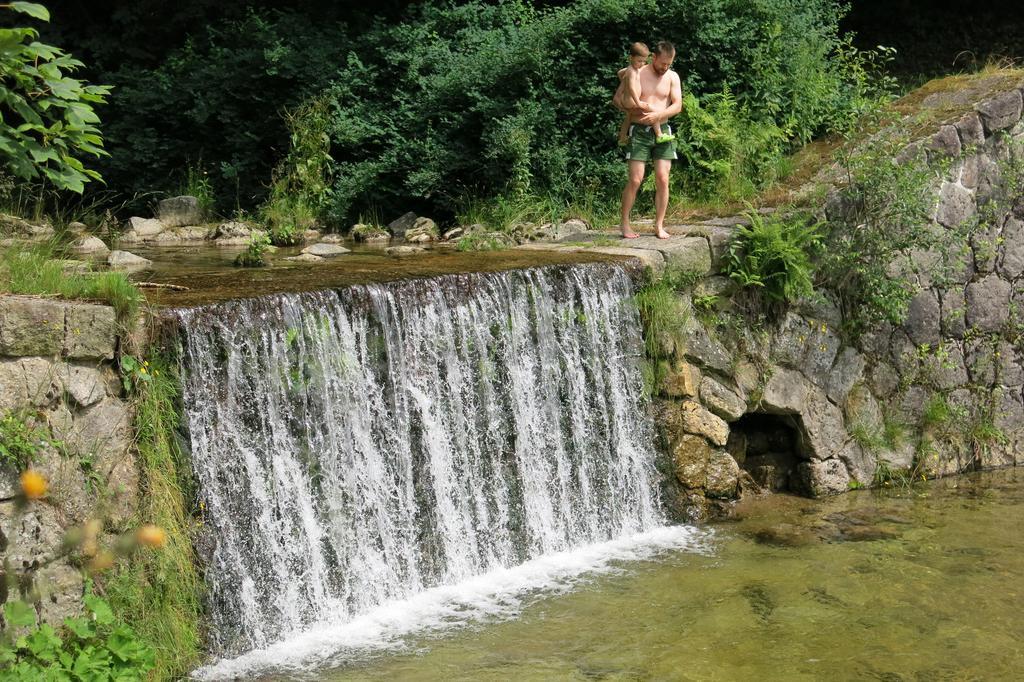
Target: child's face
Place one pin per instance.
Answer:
(637, 61)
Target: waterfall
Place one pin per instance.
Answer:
(363, 445)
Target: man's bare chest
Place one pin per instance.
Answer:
(652, 85)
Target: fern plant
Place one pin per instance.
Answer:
(774, 255)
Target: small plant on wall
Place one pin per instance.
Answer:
(773, 258)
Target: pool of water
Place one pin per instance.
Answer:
(923, 584)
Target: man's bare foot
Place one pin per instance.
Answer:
(629, 234)
(660, 233)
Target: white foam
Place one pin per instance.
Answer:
(496, 595)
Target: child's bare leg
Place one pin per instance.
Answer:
(624, 130)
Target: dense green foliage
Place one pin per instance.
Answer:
(47, 119)
(464, 102)
(94, 646)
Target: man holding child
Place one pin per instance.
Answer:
(661, 91)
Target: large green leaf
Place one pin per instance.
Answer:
(34, 10)
(19, 614)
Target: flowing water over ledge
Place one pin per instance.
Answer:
(360, 447)
(894, 586)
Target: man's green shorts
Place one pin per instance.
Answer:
(642, 146)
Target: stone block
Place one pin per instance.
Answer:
(944, 367)
(988, 303)
(325, 250)
(681, 380)
(399, 226)
(687, 254)
(863, 410)
(126, 260)
(970, 171)
(822, 347)
(104, 431)
(690, 456)
(860, 462)
(945, 143)
(722, 476)
(722, 400)
(12, 385)
(43, 385)
(883, 379)
(847, 370)
(91, 331)
(90, 245)
(823, 426)
(1000, 112)
(821, 478)
(704, 350)
(422, 230)
(696, 419)
(1011, 251)
(956, 205)
(952, 320)
(84, 385)
(785, 392)
(653, 259)
(145, 229)
(922, 323)
(790, 341)
(1009, 412)
(31, 326)
(179, 211)
(972, 133)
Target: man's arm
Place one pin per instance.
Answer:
(675, 105)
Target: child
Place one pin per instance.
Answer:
(627, 96)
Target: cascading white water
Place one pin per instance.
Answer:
(362, 446)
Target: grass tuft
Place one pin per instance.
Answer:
(159, 593)
(38, 271)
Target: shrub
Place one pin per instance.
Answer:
(301, 185)
(252, 257)
(90, 647)
(773, 254)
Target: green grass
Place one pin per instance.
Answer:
(34, 270)
(159, 593)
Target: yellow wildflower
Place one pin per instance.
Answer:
(33, 485)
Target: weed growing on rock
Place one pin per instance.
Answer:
(21, 439)
(253, 256)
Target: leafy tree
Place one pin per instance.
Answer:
(46, 117)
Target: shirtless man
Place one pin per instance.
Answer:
(661, 90)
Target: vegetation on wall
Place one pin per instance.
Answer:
(158, 594)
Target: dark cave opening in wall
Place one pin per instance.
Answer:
(767, 446)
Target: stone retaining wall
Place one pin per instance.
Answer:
(949, 382)
(57, 371)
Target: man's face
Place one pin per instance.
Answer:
(662, 62)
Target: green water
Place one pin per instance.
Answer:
(917, 585)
